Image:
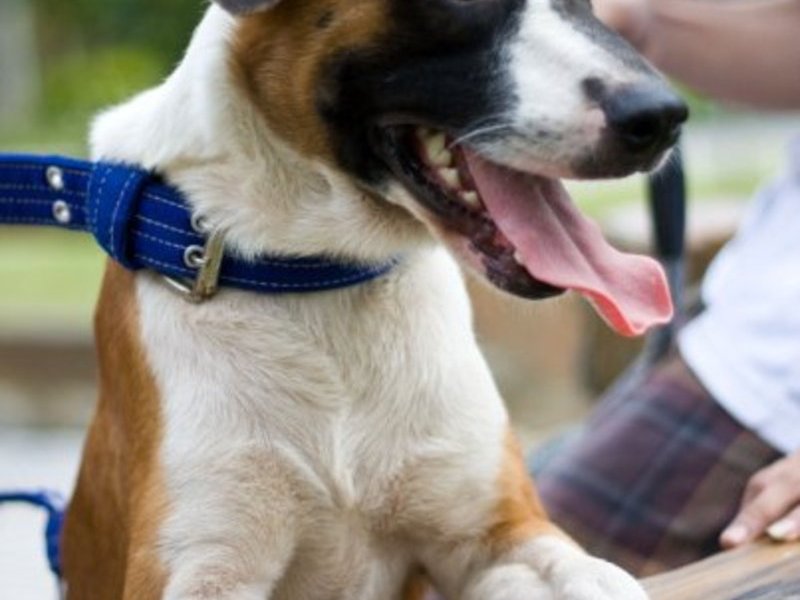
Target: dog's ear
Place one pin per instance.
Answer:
(243, 7)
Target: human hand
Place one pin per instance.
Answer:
(630, 18)
(771, 504)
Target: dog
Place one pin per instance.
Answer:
(352, 444)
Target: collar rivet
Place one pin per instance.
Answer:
(55, 178)
(62, 213)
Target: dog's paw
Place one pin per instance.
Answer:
(594, 579)
(508, 582)
(571, 574)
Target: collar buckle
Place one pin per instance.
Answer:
(207, 261)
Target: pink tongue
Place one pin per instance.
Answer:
(559, 246)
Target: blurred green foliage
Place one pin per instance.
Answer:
(93, 53)
(158, 26)
(82, 82)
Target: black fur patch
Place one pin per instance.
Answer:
(440, 65)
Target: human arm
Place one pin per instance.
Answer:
(744, 51)
(771, 504)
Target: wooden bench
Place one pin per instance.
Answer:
(760, 572)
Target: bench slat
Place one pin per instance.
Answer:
(760, 572)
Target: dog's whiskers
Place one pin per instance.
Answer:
(478, 132)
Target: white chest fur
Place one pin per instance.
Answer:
(338, 415)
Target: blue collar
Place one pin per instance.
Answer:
(144, 223)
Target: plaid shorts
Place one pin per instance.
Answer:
(655, 475)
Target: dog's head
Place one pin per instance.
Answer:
(466, 112)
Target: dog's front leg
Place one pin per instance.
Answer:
(232, 531)
(518, 554)
(214, 572)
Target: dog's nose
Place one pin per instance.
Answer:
(645, 117)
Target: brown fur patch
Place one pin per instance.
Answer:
(109, 534)
(520, 514)
(279, 58)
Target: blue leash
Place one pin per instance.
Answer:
(143, 223)
(54, 505)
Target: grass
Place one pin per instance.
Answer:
(47, 276)
(63, 137)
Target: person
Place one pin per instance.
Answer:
(705, 453)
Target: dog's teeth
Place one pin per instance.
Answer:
(435, 145)
(450, 177)
(471, 198)
(518, 258)
(443, 159)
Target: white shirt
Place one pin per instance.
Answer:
(745, 347)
